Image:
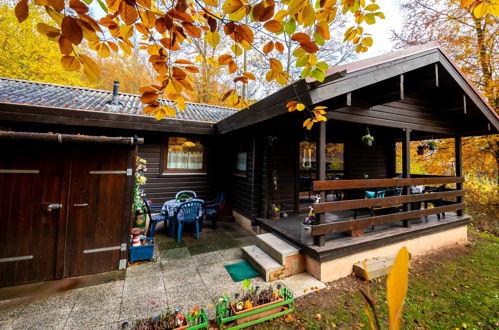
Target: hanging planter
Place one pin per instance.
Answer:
(368, 139)
(421, 150)
(432, 145)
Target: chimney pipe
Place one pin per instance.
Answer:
(116, 87)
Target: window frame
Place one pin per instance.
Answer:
(241, 172)
(164, 158)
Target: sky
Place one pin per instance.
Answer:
(381, 31)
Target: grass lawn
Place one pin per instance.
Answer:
(452, 288)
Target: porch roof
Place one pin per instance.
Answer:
(430, 77)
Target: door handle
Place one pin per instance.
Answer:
(50, 207)
(80, 205)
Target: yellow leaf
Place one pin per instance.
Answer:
(160, 113)
(231, 6)
(236, 50)
(300, 106)
(47, 30)
(238, 14)
(481, 9)
(103, 51)
(275, 65)
(396, 287)
(306, 122)
(213, 38)
(90, 68)
(367, 41)
(213, 3)
(180, 104)
(70, 63)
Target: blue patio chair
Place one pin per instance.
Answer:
(155, 219)
(211, 208)
(188, 193)
(189, 212)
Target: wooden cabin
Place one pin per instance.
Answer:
(68, 158)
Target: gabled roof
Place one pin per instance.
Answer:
(371, 74)
(43, 95)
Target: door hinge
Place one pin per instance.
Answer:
(123, 246)
(129, 171)
(122, 264)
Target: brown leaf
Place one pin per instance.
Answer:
(178, 74)
(144, 3)
(300, 37)
(48, 30)
(227, 94)
(232, 67)
(212, 23)
(164, 23)
(192, 30)
(70, 63)
(193, 69)
(279, 47)
(309, 47)
(78, 6)
(149, 98)
(22, 10)
(229, 28)
(224, 59)
(65, 45)
(71, 30)
(273, 26)
(169, 44)
(268, 47)
(58, 5)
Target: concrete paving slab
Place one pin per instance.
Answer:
(232, 253)
(302, 284)
(47, 320)
(187, 276)
(207, 258)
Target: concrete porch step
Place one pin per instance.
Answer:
(264, 264)
(276, 247)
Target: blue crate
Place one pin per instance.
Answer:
(143, 252)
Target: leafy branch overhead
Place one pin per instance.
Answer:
(163, 28)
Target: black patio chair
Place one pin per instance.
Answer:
(154, 219)
(211, 208)
(439, 202)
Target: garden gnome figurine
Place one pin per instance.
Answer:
(136, 237)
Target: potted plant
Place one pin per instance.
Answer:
(432, 145)
(274, 212)
(138, 206)
(421, 149)
(195, 319)
(254, 305)
(141, 248)
(306, 226)
(368, 139)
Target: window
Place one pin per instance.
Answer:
(184, 155)
(241, 163)
(334, 156)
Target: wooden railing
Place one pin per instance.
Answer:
(356, 226)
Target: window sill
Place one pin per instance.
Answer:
(181, 173)
(240, 175)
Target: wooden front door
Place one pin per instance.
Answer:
(30, 192)
(96, 206)
(63, 209)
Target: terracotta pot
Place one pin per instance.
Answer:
(257, 315)
(275, 215)
(420, 152)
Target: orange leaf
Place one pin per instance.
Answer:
(193, 69)
(269, 46)
(149, 98)
(22, 10)
(232, 67)
(58, 5)
(128, 13)
(183, 62)
(273, 26)
(224, 59)
(291, 104)
(65, 45)
(178, 74)
(300, 37)
(275, 65)
(70, 63)
(192, 30)
(249, 75)
(90, 68)
(279, 47)
(227, 94)
(309, 47)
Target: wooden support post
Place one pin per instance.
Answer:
(437, 83)
(402, 96)
(406, 168)
(459, 168)
(321, 175)
(464, 104)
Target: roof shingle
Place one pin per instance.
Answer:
(77, 98)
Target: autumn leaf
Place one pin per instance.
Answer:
(396, 287)
(70, 63)
(71, 30)
(279, 47)
(273, 26)
(268, 47)
(90, 68)
(48, 30)
(21, 10)
(231, 6)
(212, 38)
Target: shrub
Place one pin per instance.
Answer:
(482, 203)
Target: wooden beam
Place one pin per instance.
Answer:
(402, 96)
(464, 104)
(437, 82)
(68, 138)
(383, 183)
(459, 167)
(385, 201)
(343, 226)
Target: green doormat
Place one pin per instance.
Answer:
(241, 271)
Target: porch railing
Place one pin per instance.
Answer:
(357, 225)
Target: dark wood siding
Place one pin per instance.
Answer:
(160, 188)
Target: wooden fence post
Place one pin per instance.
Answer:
(459, 168)
(320, 153)
(406, 169)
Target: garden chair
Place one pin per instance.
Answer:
(154, 219)
(439, 202)
(211, 208)
(188, 193)
(189, 212)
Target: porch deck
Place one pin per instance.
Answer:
(339, 244)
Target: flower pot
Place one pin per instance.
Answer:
(420, 152)
(256, 316)
(306, 235)
(369, 143)
(142, 252)
(140, 220)
(275, 215)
